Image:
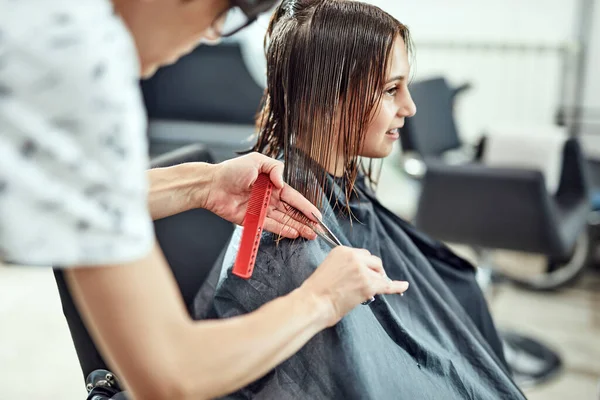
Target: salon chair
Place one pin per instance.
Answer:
(464, 202)
(507, 208)
(511, 208)
(431, 134)
(430, 140)
(191, 242)
(208, 97)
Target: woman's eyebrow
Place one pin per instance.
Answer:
(396, 78)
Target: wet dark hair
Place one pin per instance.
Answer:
(327, 62)
(254, 7)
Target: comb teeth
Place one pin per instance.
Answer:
(260, 195)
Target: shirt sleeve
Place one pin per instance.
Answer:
(73, 147)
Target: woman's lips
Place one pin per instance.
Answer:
(393, 133)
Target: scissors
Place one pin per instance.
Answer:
(332, 241)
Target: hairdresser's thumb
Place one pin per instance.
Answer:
(276, 176)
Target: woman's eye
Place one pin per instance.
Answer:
(391, 91)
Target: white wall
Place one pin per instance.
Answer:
(590, 128)
(512, 89)
(592, 78)
(511, 20)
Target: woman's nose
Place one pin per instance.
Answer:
(412, 109)
(211, 36)
(408, 107)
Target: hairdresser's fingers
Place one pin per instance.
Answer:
(371, 261)
(363, 252)
(375, 264)
(284, 218)
(293, 198)
(390, 287)
(278, 228)
(283, 213)
(381, 284)
(270, 166)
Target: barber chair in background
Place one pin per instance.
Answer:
(431, 134)
(191, 241)
(430, 139)
(208, 97)
(464, 201)
(514, 207)
(507, 205)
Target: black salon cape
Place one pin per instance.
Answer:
(430, 343)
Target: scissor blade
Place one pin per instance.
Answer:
(331, 235)
(326, 238)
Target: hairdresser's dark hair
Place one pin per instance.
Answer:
(326, 66)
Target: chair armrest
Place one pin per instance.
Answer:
(190, 153)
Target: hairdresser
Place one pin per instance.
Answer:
(74, 192)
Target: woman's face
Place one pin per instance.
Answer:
(395, 105)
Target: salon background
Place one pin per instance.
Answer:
(530, 70)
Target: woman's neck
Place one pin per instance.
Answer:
(336, 166)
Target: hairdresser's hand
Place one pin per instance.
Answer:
(230, 191)
(348, 277)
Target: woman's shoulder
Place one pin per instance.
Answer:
(280, 267)
(277, 259)
(272, 251)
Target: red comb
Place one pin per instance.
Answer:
(253, 226)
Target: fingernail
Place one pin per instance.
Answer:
(404, 285)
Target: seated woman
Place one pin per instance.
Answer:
(337, 91)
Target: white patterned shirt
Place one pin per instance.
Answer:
(73, 145)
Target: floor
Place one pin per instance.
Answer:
(568, 322)
(37, 359)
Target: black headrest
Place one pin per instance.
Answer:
(211, 84)
(432, 130)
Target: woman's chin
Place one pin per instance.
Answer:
(382, 152)
(148, 71)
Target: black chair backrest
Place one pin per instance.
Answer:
(575, 180)
(191, 241)
(211, 84)
(476, 205)
(432, 130)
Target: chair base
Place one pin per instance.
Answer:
(531, 362)
(102, 384)
(559, 274)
